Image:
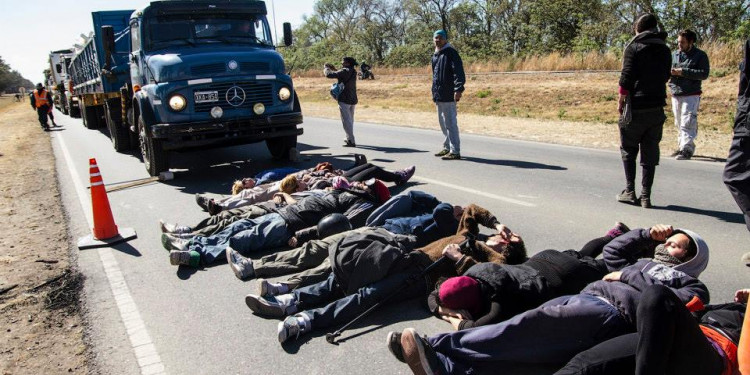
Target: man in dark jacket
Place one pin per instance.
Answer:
(645, 71)
(275, 229)
(348, 97)
(447, 87)
(41, 101)
(736, 172)
(689, 67)
(564, 326)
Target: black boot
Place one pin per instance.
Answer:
(628, 195)
(647, 181)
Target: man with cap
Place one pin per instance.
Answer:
(564, 326)
(275, 229)
(348, 97)
(41, 101)
(447, 87)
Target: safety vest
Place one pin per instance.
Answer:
(40, 99)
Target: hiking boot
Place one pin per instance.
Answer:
(442, 152)
(452, 156)
(173, 228)
(267, 288)
(173, 243)
(746, 259)
(393, 340)
(646, 201)
(627, 197)
(214, 208)
(617, 230)
(202, 201)
(294, 325)
(348, 143)
(683, 155)
(675, 153)
(242, 267)
(405, 174)
(184, 258)
(418, 354)
(272, 306)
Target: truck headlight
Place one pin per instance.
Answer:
(285, 94)
(177, 102)
(259, 108)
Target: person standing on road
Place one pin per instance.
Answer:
(689, 67)
(348, 97)
(646, 68)
(736, 172)
(447, 87)
(41, 101)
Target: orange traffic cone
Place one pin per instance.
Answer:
(105, 232)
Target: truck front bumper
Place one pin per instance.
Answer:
(226, 133)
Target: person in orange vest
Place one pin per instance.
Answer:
(41, 101)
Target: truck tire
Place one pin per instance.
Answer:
(154, 157)
(90, 116)
(75, 112)
(117, 132)
(280, 147)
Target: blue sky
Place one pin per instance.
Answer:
(31, 29)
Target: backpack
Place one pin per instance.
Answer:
(336, 90)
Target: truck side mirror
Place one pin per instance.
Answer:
(287, 34)
(58, 67)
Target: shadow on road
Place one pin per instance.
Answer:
(514, 163)
(391, 150)
(729, 217)
(126, 248)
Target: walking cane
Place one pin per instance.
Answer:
(466, 246)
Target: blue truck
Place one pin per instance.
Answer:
(187, 75)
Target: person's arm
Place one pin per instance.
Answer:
(459, 78)
(700, 72)
(32, 99)
(627, 248)
(475, 215)
(685, 287)
(627, 76)
(491, 316)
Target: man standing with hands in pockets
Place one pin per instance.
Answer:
(447, 86)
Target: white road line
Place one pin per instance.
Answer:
(474, 191)
(140, 341)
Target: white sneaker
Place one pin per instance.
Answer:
(294, 325)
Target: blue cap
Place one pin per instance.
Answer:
(441, 33)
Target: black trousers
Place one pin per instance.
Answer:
(644, 131)
(668, 341)
(737, 174)
(42, 114)
(367, 171)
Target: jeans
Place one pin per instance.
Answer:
(668, 341)
(245, 236)
(340, 309)
(347, 120)
(685, 109)
(413, 203)
(427, 228)
(216, 223)
(551, 333)
(447, 117)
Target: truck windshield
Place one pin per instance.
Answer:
(172, 30)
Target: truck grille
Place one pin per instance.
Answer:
(254, 66)
(255, 92)
(208, 69)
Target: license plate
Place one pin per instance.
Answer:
(206, 96)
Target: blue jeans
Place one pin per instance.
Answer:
(413, 203)
(427, 228)
(245, 236)
(340, 309)
(551, 333)
(447, 116)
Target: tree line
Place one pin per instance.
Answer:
(11, 80)
(399, 33)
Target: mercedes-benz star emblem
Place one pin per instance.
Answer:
(235, 96)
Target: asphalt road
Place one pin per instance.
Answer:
(150, 317)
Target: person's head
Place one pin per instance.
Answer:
(511, 246)
(240, 185)
(440, 38)
(461, 293)
(39, 87)
(349, 62)
(645, 22)
(378, 189)
(685, 251)
(685, 40)
(289, 184)
(458, 211)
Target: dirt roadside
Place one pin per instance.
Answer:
(42, 329)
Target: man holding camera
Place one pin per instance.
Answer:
(348, 97)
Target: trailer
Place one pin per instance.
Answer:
(187, 75)
(58, 82)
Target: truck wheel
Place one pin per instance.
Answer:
(90, 117)
(280, 147)
(117, 132)
(75, 112)
(154, 157)
(64, 109)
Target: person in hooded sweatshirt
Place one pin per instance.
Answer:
(646, 68)
(562, 327)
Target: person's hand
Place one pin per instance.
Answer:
(660, 232)
(614, 276)
(504, 232)
(447, 311)
(293, 242)
(677, 72)
(452, 252)
(457, 96)
(742, 295)
(454, 321)
(621, 103)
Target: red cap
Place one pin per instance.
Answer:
(461, 292)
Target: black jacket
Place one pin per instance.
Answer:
(447, 74)
(646, 68)
(741, 119)
(347, 76)
(309, 210)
